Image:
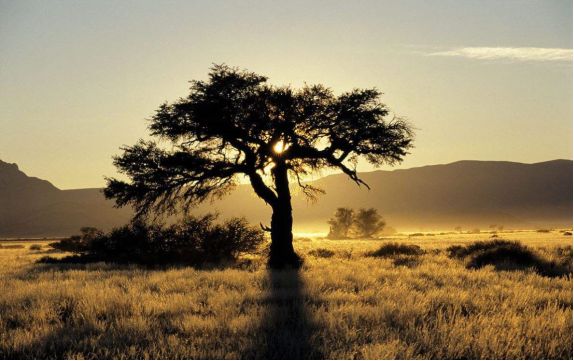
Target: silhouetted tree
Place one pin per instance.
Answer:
(235, 124)
(341, 223)
(368, 222)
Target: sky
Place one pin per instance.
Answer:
(482, 80)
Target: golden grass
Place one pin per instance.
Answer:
(346, 305)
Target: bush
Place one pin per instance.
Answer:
(508, 256)
(567, 233)
(36, 247)
(193, 241)
(322, 253)
(543, 231)
(416, 234)
(473, 248)
(407, 261)
(396, 249)
(79, 243)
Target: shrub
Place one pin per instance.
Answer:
(396, 249)
(36, 247)
(543, 231)
(406, 261)
(79, 243)
(193, 241)
(473, 248)
(416, 234)
(567, 233)
(508, 255)
(322, 253)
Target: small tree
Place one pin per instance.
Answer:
(341, 223)
(236, 125)
(368, 223)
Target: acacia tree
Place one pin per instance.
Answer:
(235, 124)
(341, 223)
(368, 222)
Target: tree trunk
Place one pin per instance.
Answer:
(282, 253)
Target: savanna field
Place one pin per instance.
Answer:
(343, 304)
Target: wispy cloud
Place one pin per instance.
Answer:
(514, 54)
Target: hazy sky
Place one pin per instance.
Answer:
(489, 80)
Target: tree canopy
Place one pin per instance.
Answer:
(237, 124)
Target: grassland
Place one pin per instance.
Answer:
(342, 304)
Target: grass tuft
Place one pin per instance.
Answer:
(322, 253)
(11, 246)
(407, 261)
(396, 249)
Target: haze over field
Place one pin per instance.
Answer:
(469, 194)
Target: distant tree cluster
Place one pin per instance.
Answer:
(348, 223)
(493, 227)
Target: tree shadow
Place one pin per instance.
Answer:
(287, 330)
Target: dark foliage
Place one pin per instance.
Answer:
(476, 247)
(194, 241)
(237, 125)
(36, 247)
(79, 243)
(340, 224)
(407, 261)
(508, 256)
(348, 223)
(396, 249)
(368, 223)
(322, 253)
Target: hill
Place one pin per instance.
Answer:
(470, 194)
(31, 207)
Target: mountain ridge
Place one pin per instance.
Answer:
(465, 193)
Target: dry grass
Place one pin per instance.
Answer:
(346, 305)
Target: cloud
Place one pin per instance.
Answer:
(514, 54)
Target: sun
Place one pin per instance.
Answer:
(279, 147)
